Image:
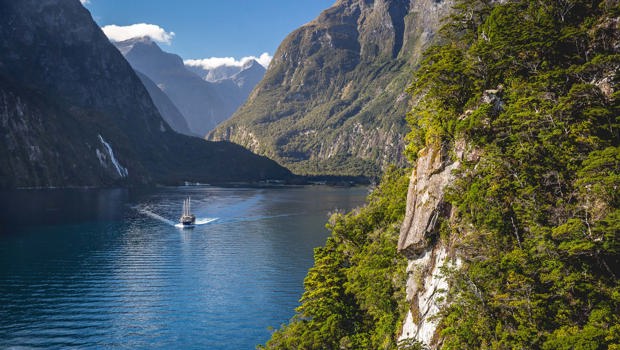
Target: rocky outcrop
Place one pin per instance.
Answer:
(335, 87)
(428, 250)
(425, 291)
(426, 208)
(420, 240)
(425, 202)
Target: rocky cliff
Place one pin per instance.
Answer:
(333, 100)
(74, 113)
(499, 255)
(419, 240)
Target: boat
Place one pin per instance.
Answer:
(187, 218)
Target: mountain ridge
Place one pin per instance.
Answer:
(202, 102)
(333, 100)
(74, 113)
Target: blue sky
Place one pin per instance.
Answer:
(211, 28)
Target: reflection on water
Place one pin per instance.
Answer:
(40, 207)
(89, 269)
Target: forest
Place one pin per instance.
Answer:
(531, 87)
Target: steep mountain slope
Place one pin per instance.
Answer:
(204, 97)
(74, 113)
(201, 102)
(235, 82)
(333, 100)
(166, 108)
(511, 229)
(513, 220)
(248, 77)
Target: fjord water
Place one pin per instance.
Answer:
(108, 269)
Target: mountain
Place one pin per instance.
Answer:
(510, 218)
(216, 73)
(245, 76)
(248, 77)
(166, 108)
(234, 81)
(203, 100)
(333, 100)
(74, 113)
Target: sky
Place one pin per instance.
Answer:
(227, 30)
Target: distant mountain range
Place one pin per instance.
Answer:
(167, 109)
(74, 113)
(333, 100)
(204, 97)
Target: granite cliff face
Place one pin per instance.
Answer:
(435, 170)
(426, 208)
(333, 100)
(74, 113)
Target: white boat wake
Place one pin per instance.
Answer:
(155, 216)
(199, 221)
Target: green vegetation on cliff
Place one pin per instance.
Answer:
(531, 87)
(355, 293)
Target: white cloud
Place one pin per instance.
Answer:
(214, 62)
(84, 2)
(155, 32)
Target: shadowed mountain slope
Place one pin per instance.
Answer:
(74, 113)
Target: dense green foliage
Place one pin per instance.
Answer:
(530, 85)
(354, 294)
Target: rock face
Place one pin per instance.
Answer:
(203, 103)
(333, 100)
(426, 207)
(425, 204)
(74, 113)
(419, 238)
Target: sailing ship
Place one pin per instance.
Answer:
(187, 219)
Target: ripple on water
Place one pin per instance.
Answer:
(130, 280)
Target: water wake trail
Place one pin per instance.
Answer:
(199, 221)
(155, 216)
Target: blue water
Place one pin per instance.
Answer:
(108, 268)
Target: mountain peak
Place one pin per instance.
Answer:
(144, 42)
(338, 84)
(249, 64)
